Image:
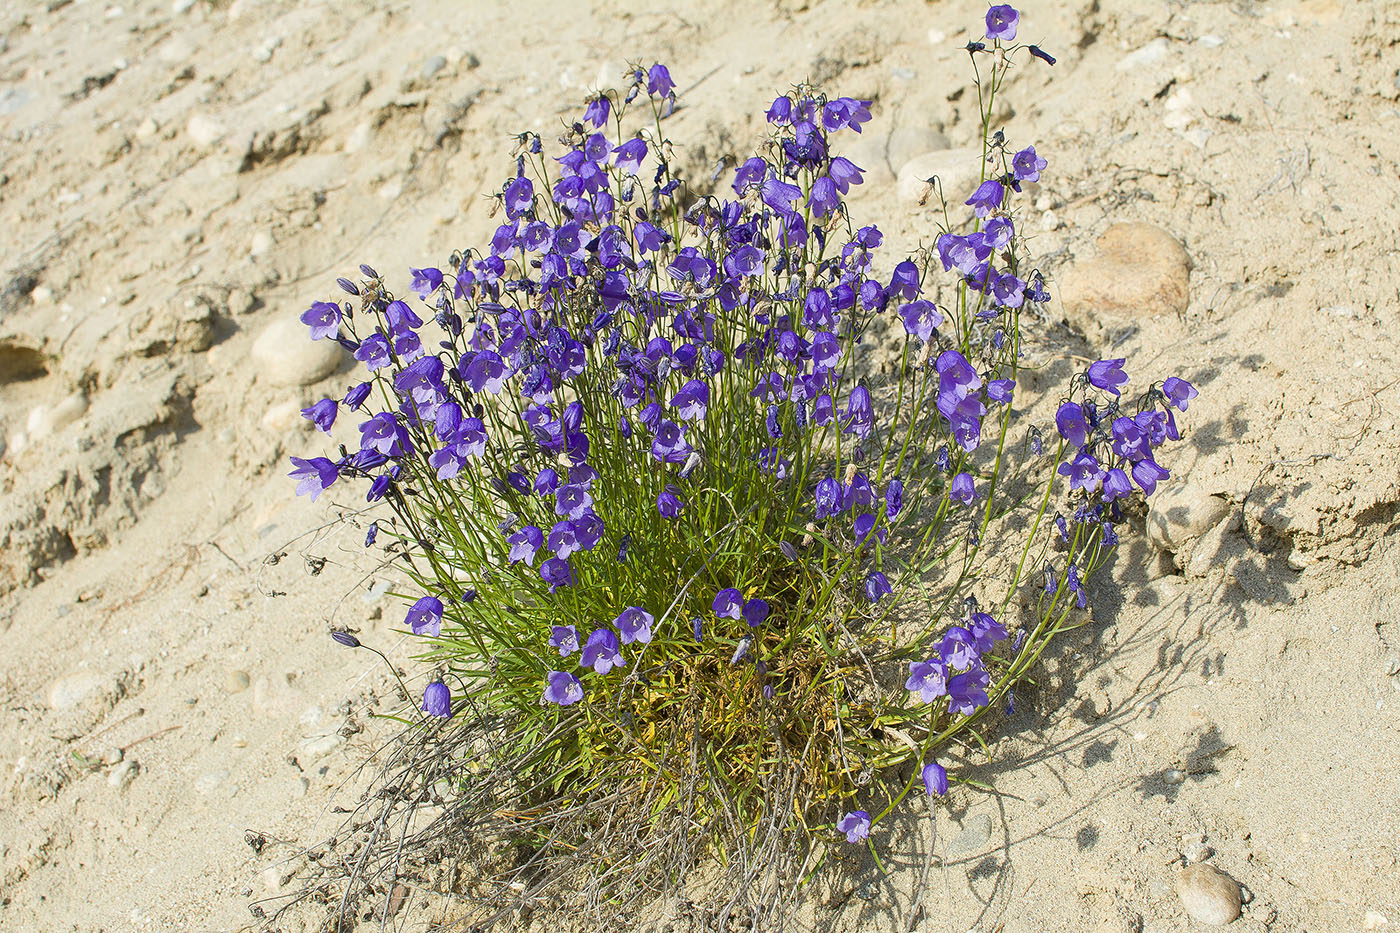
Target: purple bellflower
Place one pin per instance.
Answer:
(935, 779)
(894, 499)
(1084, 472)
(602, 652)
(524, 543)
(322, 414)
(1026, 165)
(755, 611)
(986, 630)
(659, 81)
(877, 586)
(437, 700)
(1001, 22)
(728, 603)
(929, 679)
(963, 489)
(557, 572)
(564, 689)
(1070, 422)
(425, 616)
(634, 624)
(967, 692)
(1179, 392)
(565, 638)
(427, 281)
(668, 504)
(986, 198)
(314, 476)
(856, 825)
(1107, 375)
(323, 317)
(959, 648)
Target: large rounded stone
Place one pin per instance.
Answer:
(1209, 895)
(1139, 271)
(882, 154)
(285, 354)
(958, 170)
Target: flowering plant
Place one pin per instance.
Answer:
(682, 555)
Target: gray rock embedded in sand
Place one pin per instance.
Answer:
(1182, 512)
(285, 354)
(316, 747)
(958, 170)
(1209, 895)
(432, 66)
(236, 681)
(1139, 271)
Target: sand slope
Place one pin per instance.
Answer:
(176, 178)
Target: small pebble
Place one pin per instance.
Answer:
(1196, 852)
(318, 746)
(240, 301)
(75, 689)
(1208, 894)
(1149, 54)
(1173, 775)
(204, 130)
(432, 66)
(236, 681)
(123, 774)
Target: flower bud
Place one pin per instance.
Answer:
(346, 639)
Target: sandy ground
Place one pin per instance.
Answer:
(174, 180)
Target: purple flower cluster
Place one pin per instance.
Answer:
(956, 670)
(1111, 450)
(1108, 451)
(601, 651)
(973, 255)
(619, 365)
(655, 282)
